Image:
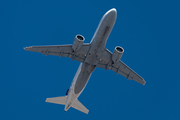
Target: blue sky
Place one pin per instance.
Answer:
(149, 32)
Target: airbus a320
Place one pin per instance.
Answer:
(90, 56)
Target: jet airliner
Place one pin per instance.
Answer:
(90, 56)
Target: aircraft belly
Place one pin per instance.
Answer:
(100, 38)
(83, 77)
(81, 81)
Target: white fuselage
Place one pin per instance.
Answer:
(98, 44)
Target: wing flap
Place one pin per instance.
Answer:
(72, 56)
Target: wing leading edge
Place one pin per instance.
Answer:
(119, 67)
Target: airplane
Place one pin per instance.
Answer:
(90, 55)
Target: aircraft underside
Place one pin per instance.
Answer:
(90, 56)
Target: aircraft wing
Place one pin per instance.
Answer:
(62, 50)
(119, 68)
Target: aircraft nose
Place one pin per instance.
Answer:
(113, 11)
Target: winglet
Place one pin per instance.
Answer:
(27, 48)
(144, 82)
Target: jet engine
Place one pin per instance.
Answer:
(78, 42)
(117, 54)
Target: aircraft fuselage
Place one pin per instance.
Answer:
(98, 44)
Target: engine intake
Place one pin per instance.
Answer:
(117, 54)
(78, 42)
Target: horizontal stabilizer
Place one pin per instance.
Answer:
(57, 100)
(79, 106)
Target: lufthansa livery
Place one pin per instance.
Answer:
(90, 55)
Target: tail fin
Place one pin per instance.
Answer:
(79, 106)
(57, 100)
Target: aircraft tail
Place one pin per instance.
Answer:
(57, 100)
(62, 100)
(79, 106)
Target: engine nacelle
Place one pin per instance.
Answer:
(117, 54)
(78, 42)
